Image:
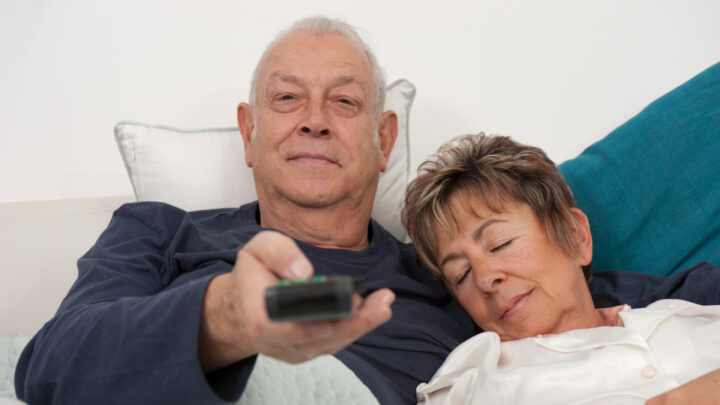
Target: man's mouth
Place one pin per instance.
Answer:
(515, 304)
(313, 159)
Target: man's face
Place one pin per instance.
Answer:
(314, 130)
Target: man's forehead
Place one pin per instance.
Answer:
(323, 52)
(316, 40)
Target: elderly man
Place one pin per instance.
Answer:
(166, 309)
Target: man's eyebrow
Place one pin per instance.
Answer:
(340, 80)
(286, 78)
(347, 80)
(476, 236)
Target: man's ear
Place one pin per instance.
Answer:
(246, 125)
(583, 237)
(387, 133)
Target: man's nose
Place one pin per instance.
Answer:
(488, 277)
(315, 121)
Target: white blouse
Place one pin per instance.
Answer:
(659, 348)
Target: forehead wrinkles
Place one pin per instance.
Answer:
(319, 54)
(337, 81)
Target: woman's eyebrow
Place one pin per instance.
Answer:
(478, 232)
(448, 258)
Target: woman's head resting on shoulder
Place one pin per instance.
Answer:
(497, 223)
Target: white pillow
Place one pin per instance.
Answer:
(201, 169)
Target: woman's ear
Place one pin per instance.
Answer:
(583, 237)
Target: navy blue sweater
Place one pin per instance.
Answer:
(127, 331)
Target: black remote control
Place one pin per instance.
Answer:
(316, 299)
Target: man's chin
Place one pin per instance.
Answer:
(317, 193)
(314, 201)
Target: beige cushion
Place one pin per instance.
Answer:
(40, 244)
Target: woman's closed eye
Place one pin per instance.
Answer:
(501, 247)
(463, 276)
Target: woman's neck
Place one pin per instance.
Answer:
(611, 316)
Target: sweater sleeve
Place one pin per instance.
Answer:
(127, 332)
(699, 284)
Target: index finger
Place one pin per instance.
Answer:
(279, 254)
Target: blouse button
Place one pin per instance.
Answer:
(648, 372)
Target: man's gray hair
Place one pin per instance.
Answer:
(324, 25)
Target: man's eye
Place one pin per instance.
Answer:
(501, 247)
(346, 101)
(286, 97)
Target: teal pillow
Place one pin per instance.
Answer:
(651, 188)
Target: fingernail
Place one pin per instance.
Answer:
(387, 298)
(299, 268)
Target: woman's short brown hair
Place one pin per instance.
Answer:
(497, 170)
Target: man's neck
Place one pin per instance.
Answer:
(334, 227)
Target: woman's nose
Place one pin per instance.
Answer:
(488, 277)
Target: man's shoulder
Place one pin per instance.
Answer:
(154, 209)
(141, 208)
(152, 214)
(160, 217)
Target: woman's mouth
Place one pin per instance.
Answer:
(515, 304)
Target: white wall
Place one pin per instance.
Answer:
(558, 74)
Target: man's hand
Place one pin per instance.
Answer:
(700, 391)
(235, 324)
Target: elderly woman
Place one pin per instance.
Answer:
(496, 222)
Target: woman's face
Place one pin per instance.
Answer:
(509, 276)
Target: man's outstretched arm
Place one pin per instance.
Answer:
(235, 324)
(125, 332)
(128, 331)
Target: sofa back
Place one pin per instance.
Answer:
(40, 243)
